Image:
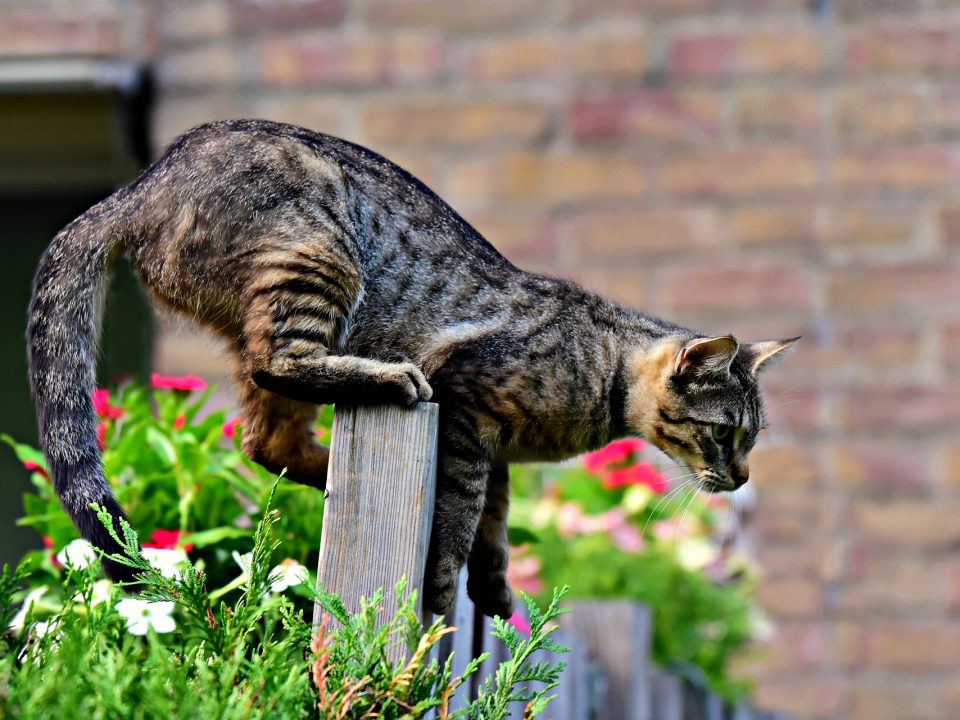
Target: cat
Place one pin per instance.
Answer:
(337, 277)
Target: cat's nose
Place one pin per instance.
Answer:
(739, 473)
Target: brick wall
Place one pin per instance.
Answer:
(767, 167)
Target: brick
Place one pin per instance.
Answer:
(255, 15)
(369, 61)
(624, 285)
(878, 114)
(514, 58)
(907, 523)
(722, 54)
(60, 31)
(791, 597)
(788, 560)
(654, 116)
(879, 469)
(913, 645)
(905, 410)
(802, 697)
(176, 114)
(894, 700)
(454, 123)
(793, 410)
(949, 226)
(775, 467)
(893, 586)
(924, 46)
(945, 113)
(868, 226)
(951, 467)
(522, 236)
(775, 113)
(323, 113)
(950, 348)
(781, 227)
(205, 66)
(786, 517)
(581, 10)
(189, 22)
(894, 289)
(448, 16)
(903, 169)
(618, 237)
(539, 178)
(743, 173)
(796, 647)
(952, 585)
(736, 287)
(883, 348)
(611, 53)
(858, 9)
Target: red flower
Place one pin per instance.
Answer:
(102, 406)
(520, 623)
(102, 435)
(617, 466)
(229, 428)
(167, 540)
(179, 422)
(47, 542)
(639, 474)
(33, 467)
(172, 382)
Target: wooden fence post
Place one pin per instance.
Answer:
(381, 486)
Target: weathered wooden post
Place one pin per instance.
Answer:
(381, 485)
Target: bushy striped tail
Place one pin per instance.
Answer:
(63, 333)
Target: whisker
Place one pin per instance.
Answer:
(674, 492)
(693, 496)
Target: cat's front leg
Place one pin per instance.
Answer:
(463, 471)
(489, 557)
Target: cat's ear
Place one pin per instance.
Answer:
(706, 356)
(762, 355)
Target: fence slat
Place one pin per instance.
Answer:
(667, 696)
(616, 635)
(381, 486)
(460, 643)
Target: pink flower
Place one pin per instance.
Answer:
(172, 382)
(102, 406)
(102, 435)
(570, 520)
(624, 535)
(619, 451)
(522, 571)
(322, 433)
(179, 422)
(229, 428)
(33, 467)
(167, 540)
(520, 623)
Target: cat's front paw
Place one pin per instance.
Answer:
(409, 383)
(492, 597)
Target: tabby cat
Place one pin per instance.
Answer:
(336, 277)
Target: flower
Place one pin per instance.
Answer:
(179, 422)
(229, 428)
(287, 574)
(696, 553)
(167, 540)
(523, 570)
(16, 623)
(172, 382)
(102, 406)
(520, 623)
(244, 561)
(102, 435)
(166, 561)
(33, 467)
(617, 452)
(624, 535)
(142, 616)
(639, 474)
(77, 555)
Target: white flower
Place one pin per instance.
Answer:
(244, 561)
(142, 616)
(33, 596)
(166, 561)
(287, 574)
(696, 553)
(77, 555)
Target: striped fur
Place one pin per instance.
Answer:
(336, 277)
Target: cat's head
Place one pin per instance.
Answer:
(699, 402)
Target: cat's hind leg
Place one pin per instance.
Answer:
(487, 566)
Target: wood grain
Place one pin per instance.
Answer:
(381, 487)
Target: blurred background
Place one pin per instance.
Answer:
(761, 167)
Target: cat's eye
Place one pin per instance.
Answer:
(721, 433)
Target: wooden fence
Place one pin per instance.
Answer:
(376, 529)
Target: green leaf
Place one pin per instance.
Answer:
(521, 536)
(161, 445)
(204, 538)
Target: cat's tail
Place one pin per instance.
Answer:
(63, 333)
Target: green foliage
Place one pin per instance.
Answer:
(256, 657)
